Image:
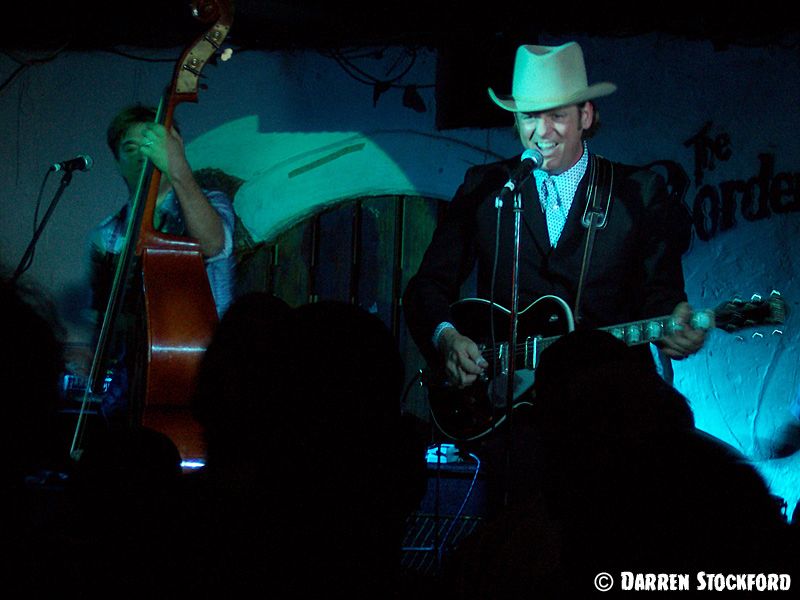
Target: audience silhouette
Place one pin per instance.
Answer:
(310, 472)
(31, 359)
(73, 527)
(627, 483)
(311, 468)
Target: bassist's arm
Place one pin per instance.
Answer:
(203, 223)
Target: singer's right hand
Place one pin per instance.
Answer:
(463, 362)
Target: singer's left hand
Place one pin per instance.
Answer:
(685, 341)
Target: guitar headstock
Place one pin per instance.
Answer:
(736, 314)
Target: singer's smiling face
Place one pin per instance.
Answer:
(557, 134)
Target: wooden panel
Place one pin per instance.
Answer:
(419, 219)
(363, 252)
(291, 265)
(376, 267)
(333, 271)
(254, 271)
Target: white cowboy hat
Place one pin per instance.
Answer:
(547, 77)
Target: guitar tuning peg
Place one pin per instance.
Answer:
(755, 298)
(777, 332)
(758, 334)
(226, 55)
(739, 338)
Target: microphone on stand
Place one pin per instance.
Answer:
(83, 162)
(531, 159)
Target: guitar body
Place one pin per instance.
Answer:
(467, 414)
(470, 413)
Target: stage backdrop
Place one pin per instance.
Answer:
(308, 132)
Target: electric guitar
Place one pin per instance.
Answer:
(470, 413)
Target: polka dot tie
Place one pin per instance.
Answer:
(553, 210)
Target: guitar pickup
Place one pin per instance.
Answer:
(501, 360)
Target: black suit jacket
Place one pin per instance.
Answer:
(635, 270)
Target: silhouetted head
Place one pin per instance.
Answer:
(239, 392)
(591, 386)
(32, 362)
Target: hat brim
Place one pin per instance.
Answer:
(513, 104)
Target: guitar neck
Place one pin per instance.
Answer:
(652, 330)
(730, 316)
(633, 333)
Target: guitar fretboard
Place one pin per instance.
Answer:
(633, 334)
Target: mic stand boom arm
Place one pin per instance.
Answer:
(24, 263)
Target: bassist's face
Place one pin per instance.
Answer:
(131, 161)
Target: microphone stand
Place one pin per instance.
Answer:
(531, 159)
(512, 339)
(21, 267)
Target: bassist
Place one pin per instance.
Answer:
(183, 208)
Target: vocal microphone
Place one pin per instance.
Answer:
(531, 159)
(83, 162)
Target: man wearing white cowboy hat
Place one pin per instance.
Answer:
(552, 80)
(635, 270)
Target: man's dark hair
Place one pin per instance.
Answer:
(592, 129)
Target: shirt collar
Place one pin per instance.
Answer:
(567, 182)
(576, 170)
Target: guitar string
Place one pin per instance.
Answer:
(497, 349)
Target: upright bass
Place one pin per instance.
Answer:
(178, 310)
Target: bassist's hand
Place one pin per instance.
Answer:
(166, 150)
(463, 362)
